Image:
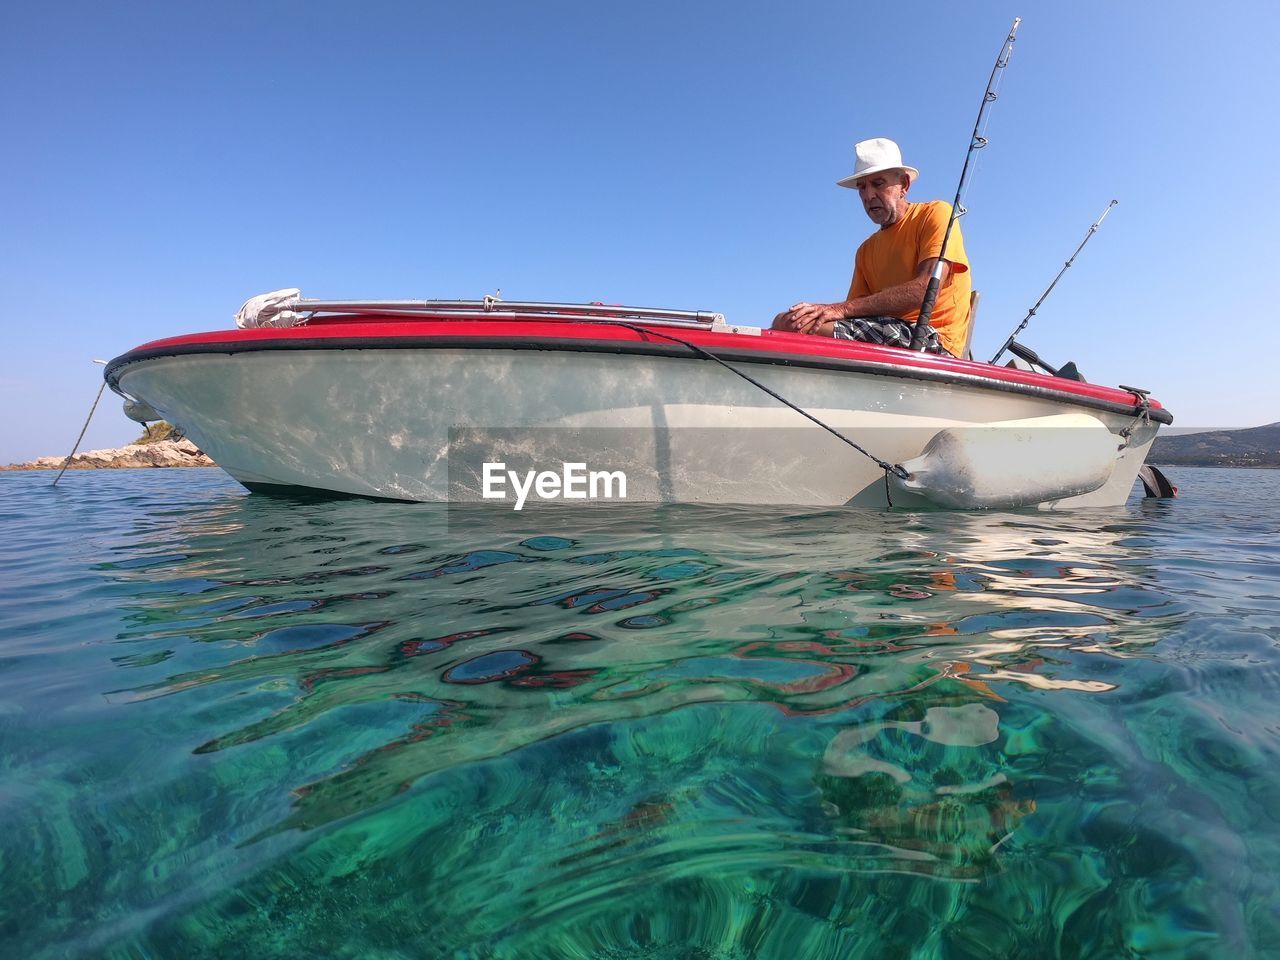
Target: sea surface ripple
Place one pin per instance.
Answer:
(232, 726)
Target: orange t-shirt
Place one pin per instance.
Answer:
(892, 256)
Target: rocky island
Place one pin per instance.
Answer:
(164, 453)
(159, 446)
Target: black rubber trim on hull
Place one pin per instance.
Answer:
(629, 347)
(288, 491)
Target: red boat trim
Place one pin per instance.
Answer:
(773, 348)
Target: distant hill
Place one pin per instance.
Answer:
(1251, 447)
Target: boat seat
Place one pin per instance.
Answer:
(966, 353)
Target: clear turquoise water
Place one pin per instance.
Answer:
(232, 726)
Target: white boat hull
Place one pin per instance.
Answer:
(391, 423)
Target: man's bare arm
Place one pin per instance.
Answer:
(890, 302)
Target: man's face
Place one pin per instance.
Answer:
(884, 196)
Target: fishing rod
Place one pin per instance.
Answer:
(1032, 312)
(976, 142)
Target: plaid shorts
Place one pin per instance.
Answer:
(890, 331)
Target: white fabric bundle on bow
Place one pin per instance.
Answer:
(269, 309)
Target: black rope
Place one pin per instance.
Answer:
(887, 467)
(67, 462)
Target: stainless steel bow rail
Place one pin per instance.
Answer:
(491, 308)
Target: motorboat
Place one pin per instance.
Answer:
(433, 400)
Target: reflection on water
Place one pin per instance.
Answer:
(362, 729)
(560, 636)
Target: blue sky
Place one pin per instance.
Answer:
(165, 161)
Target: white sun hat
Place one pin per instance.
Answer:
(874, 156)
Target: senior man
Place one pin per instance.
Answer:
(892, 267)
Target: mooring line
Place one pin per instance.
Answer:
(67, 462)
(884, 465)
